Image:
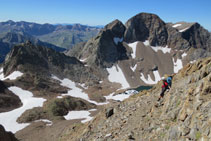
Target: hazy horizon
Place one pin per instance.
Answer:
(94, 12)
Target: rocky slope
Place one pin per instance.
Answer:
(118, 58)
(183, 114)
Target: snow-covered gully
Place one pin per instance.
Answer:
(8, 119)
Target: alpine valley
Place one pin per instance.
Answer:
(92, 91)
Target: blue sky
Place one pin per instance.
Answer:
(101, 12)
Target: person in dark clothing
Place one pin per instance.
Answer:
(165, 86)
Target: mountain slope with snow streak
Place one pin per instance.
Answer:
(149, 79)
(75, 91)
(12, 76)
(116, 75)
(177, 65)
(133, 46)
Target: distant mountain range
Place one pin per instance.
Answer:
(58, 37)
(10, 39)
(64, 36)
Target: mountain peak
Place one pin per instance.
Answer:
(117, 27)
(145, 26)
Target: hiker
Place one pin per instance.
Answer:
(165, 86)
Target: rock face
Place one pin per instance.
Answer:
(198, 37)
(183, 113)
(8, 101)
(47, 62)
(146, 26)
(105, 49)
(6, 136)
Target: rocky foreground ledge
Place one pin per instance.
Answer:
(183, 114)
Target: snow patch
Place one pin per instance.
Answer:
(117, 40)
(163, 49)
(177, 65)
(116, 75)
(157, 48)
(182, 30)
(133, 46)
(12, 76)
(134, 68)
(1, 74)
(92, 110)
(192, 61)
(121, 96)
(83, 86)
(49, 123)
(79, 115)
(75, 91)
(8, 119)
(184, 54)
(146, 43)
(83, 60)
(107, 135)
(149, 79)
(176, 25)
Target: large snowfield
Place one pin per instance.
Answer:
(8, 119)
(116, 75)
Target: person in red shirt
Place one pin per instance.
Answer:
(165, 86)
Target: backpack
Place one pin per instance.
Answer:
(169, 80)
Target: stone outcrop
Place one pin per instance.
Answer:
(8, 100)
